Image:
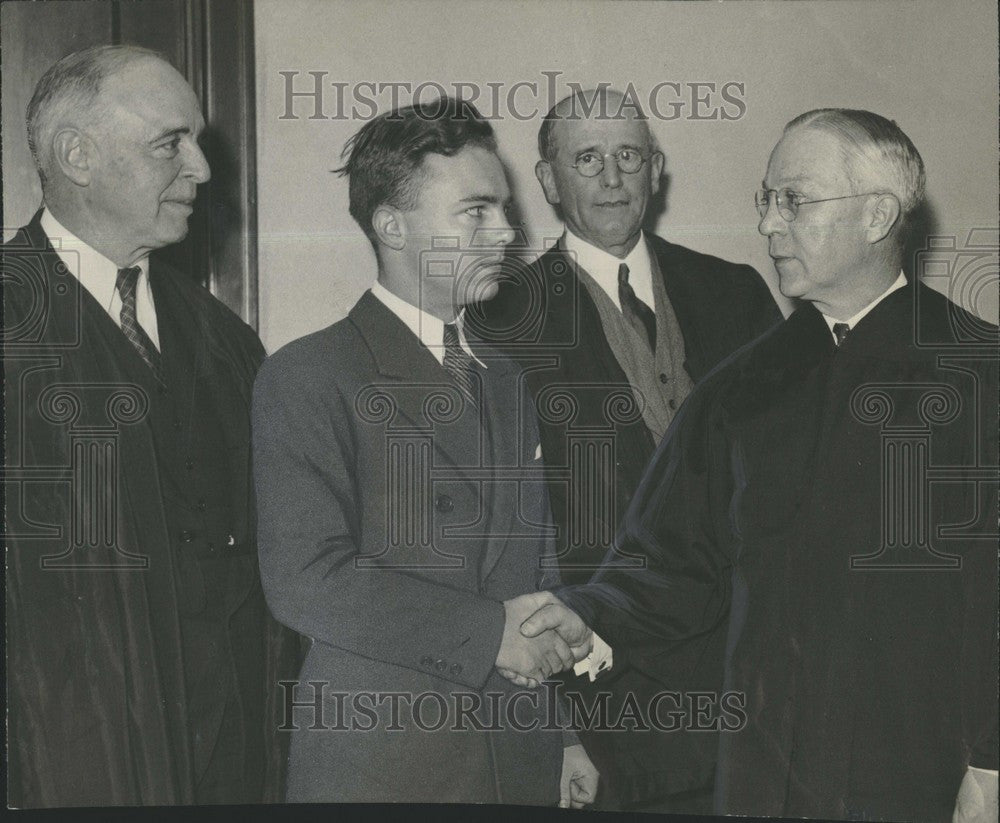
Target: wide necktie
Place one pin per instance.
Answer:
(126, 285)
(460, 365)
(639, 315)
(840, 331)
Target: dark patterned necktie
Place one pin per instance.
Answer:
(639, 315)
(126, 285)
(840, 331)
(460, 365)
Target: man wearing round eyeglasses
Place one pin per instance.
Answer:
(829, 495)
(628, 322)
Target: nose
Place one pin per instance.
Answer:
(611, 176)
(195, 164)
(501, 233)
(771, 222)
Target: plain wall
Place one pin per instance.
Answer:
(930, 66)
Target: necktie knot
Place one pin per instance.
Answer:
(638, 314)
(127, 280)
(459, 364)
(126, 285)
(840, 331)
(451, 340)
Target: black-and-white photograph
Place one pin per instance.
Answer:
(496, 408)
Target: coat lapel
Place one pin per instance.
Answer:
(504, 416)
(424, 398)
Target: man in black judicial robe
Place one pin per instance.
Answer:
(826, 500)
(140, 655)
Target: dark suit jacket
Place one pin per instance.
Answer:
(98, 711)
(833, 511)
(392, 523)
(545, 318)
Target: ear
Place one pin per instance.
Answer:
(883, 214)
(389, 227)
(655, 170)
(75, 154)
(543, 171)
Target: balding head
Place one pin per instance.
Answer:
(603, 102)
(69, 93)
(876, 153)
(114, 131)
(590, 143)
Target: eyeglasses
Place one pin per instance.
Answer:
(591, 163)
(788, 202)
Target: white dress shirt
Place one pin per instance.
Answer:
(427, 328)
(98, 275)
(851, 322)
(603, 267)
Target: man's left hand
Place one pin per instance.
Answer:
(578, 784)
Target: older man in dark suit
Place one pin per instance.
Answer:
(402, 505)
(139, 654)
(614, 326)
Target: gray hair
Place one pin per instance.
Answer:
(71, 87)
(579, 106)
(876, 153)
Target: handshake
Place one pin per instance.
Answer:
(541, 637)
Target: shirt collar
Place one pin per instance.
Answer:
(603, 267)
(96, 273)
(851, 322)
(427, 328)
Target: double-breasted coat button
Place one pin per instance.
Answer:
(440, 665)
(186, 536)
(672, 403)
(444, 504)
(663, 377)
(456, 669)
(426, 661)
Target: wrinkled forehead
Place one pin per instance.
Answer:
(807, 156)
(606, 128)
(153, 94)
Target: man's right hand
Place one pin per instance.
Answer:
(529, 660)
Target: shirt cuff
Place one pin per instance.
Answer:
(600, 659)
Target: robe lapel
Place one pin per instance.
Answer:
(79, 336)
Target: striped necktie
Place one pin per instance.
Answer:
(638, 314)
(126, 285)
(460, 365)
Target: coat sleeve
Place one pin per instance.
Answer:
(308, 540)
(667, 578)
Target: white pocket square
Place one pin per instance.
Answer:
(538, 452)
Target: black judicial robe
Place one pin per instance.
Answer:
(96, 695)
(820, 524)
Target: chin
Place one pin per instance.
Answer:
(482, 288)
